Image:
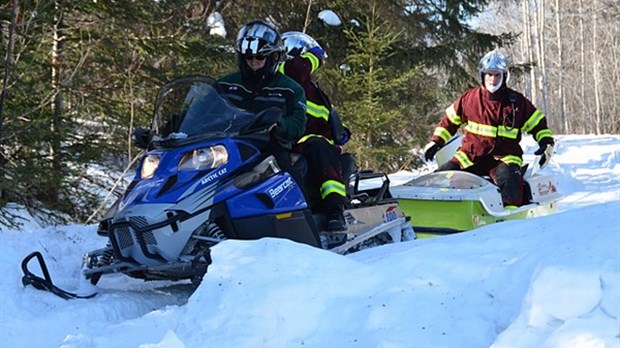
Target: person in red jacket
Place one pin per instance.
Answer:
(324, 135)
(493, 116)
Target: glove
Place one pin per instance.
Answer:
(280, 138)
(545, 151)
(318, 51)
(430, 150)
(346, 135)
(141, 137)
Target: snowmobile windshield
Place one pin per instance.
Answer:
(449, 180)
(190, 109)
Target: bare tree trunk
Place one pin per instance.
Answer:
(615, 66)
(560, 64)
(57, 104)
(595, 68)
(583, 101)
(525, 58)
(540, 34)
(529, 52)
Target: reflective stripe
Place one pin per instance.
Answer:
(533, 121)
(512, 160)
(545, 133)
(481, 129)
(491, 131)
(306, 137)
(452, 116)
(314, 60)
(332, 186)
(510, 133)
(463, 160)
(442, 133)
(317, 110)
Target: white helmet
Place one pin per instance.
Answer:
(297, 43)
(494, 61)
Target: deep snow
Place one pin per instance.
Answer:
(552, 281)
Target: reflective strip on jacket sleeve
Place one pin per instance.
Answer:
(452, 115)
(314, 60)
(317, 110)
(443, 133)
(533, 121)
(543, 133)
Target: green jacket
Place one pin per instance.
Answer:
(280, 91)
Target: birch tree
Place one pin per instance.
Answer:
(559, 65)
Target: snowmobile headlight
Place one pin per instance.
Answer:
(204, 158)
(150, 163)
(262, 171)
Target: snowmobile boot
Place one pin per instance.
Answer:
(336, 221)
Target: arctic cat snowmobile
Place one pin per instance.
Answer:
(204, 179)
(453, 201)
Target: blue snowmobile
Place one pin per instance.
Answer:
(204, 179)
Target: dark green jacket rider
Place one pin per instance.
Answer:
(279, 91)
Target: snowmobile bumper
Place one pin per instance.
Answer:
(183, 269)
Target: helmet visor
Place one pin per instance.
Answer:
(260, 31)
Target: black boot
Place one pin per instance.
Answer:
(336, 221)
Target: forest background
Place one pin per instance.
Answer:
(78, 76)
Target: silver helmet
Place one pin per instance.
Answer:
(297, 43)
(494, 61)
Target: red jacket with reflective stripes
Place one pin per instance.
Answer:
(492, 123)
(322, 118)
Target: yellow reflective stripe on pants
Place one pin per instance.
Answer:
(463, 160)
(512, 160)
(333, 186)
(306, 137)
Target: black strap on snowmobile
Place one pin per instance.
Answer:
(46, 284)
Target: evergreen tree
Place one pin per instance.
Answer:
(85, 73)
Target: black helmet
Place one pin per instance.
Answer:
(257, 38)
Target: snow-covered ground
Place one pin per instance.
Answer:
(552, 281)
